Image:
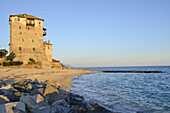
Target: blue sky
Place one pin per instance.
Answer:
(99, 32)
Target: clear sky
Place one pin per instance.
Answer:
(99, 32)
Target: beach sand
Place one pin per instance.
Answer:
(64, 77)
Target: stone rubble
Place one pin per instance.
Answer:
(27, 96)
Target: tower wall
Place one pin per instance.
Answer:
(26, 39)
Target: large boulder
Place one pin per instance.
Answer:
(8, 82)
(61, 103)
(60, 106)
(8, 107)
(24, 82)
(6, 87)
(20, 106)
(37, 91)
(35, 82)
(63, 92)
(31, 105)
(50, 89)
(19, 87)
(76, 100)
(52, 83)
(2, 83)
(52, 97)
(38, 98)
(12, 94)
(100, 109)
(4, 99)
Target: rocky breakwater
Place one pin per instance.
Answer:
(27, 96)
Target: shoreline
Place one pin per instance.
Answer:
(64, 77)
(43, 90)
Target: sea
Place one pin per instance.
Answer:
(126, 92)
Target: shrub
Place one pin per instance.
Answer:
(32, 61)
(5, 64)
(3, 52)
(14, 63)
(11, 56)
(10, 63)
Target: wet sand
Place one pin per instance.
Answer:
(64, 77)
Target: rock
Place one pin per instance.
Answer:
(38, 98)
(35, 82)
(60, 106)
(68, 67)
(76, 101)
(6, 87)
(52, 83)
(50, 89)
(7, 108)
(2, 83)
(37, 91)
(41, 86)
(63, 92)
(12, 94)
(24, 82)
(4, 99)
(29, 86)
(61, 103)
(100, 109)
(20, 106)
(1, 92)
(78, 108)
(9, 82)
(52, 97)
(45, 109)
(31, 105)
(35, 86)
(20, 87)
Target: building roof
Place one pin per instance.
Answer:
(27, 16)
(53, 60)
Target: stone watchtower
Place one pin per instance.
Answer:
(26, 39)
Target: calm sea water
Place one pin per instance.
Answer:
(127, 92)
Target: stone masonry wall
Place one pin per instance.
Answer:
(26, 41)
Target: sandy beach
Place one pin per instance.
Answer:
(64, 77)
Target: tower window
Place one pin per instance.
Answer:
(48, 47)
(19, 27)
(33, 49)
(20, 48)
(28, 28)
(20, 33)
(39, 22)
(32, 40)
(23, 40)
(18, 19)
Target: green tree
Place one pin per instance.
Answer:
(11, 56)
(3, 52)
